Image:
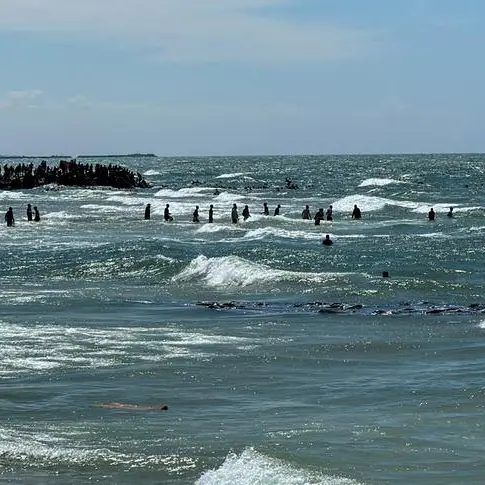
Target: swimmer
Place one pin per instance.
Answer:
(234, 214)
(138, 407)
(306, 213)
(147, 212)
(356, 214)
(327, 241)
(277, 210)
(330, 213)
(36, 214)
(431, 214)
(265, 209)
(245, 213)
(450, 213)
(9, 218)
(319, 216)
(29, 212)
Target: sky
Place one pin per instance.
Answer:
(241, 77)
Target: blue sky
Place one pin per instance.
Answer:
(218, 77)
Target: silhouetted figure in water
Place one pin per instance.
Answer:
(166, 214)
(431, 214)
(211, 213)
(277, 210)
(234, 214)
(330, 213)
(36, 214)
(9, 217)
(327, 241)
(29, 212)
(319, 216)
(356, 214)
(306, 213)
(195, 215)
(147, 212)
(450, 213)
(265, 209)
(245, 213)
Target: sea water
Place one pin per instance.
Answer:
(282, 361)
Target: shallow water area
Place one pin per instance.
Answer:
(281, 360)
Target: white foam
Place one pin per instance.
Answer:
(151, 172)
(264, 232)
(252, 467)
(379, 182)
(481, 324)
(182, 193)
(230, 175)
(235, 271)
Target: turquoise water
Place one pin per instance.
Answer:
(282, 361)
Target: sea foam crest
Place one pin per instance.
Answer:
(235, 271)
(369, 203)
(252, 467)
(378, 182)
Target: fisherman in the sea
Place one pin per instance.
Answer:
(29, 212)
(195, 215)
(36, 214)
(234, 214)
(319, 216)
(431, 214)
(166, 214)
(9, 217)
(356, 214)
(147, 212)
(306, 213)
(277, 210)
(211, 213)
(330, 213)
(450, 213)
(265, 209)
(245, 213)
(327, 241)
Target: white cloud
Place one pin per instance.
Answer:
(192, 30)
(31, 98)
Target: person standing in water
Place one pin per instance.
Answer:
(29, 212)
(277, 210)
(195, 215)
(265, 209)
(9, 218)
(211, 213)
(306, 213)
(431, 214)
(36, 214)
(450, 213)
(330, 213)
(234, 214)
(319, 216)
(356, 214)
(147, 212)
(245, 213)
(166, 214)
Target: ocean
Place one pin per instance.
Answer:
(281, 361)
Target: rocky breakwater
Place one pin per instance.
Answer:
(69, 173)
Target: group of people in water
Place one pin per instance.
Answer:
(31, 215)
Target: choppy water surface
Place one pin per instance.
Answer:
(282, 361)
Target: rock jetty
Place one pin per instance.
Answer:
(69, 173)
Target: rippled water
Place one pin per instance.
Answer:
(281, 360)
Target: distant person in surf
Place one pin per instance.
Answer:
(356, 214)
(166, 214)
(29, 212)
(450, 213)
(147, 212)
(277, 210)
(265, 209)
(245, 213)
(330, 213)
(136, 407)
(9, 218)
(306, 213)
(327, 241)
(431, 214)
(234, 214)
(319, 216)
(36, 214)
(195, 215)
(211, 213)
